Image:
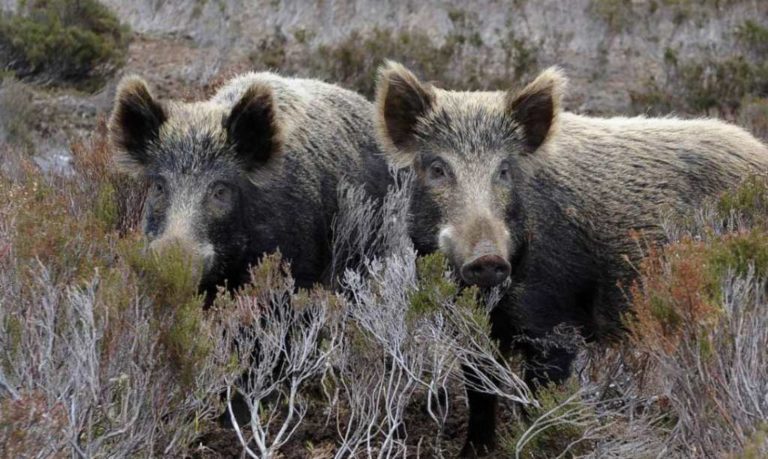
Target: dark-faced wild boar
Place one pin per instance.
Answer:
(254, 169)
(517, 192)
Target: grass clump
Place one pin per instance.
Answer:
(353, 62)
(76, 42)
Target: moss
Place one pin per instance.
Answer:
(77, 42)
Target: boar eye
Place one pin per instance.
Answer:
(504, 172)
(437, 171)
(157, 189)
(221, 195)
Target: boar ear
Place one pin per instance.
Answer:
(536, 108)
(134, 124)
(401, 99)
(252, 127)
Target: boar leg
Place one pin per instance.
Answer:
(481, 430)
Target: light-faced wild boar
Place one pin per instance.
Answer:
(251, 170)
(516, 192)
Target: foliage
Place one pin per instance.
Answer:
(714, 84)
(78, 42)
(84, 305)
(354, 61)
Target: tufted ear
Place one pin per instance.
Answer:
(401, 100)
(537, 107)
(134, 123)
(253, 129)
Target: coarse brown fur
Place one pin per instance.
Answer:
(549, 197)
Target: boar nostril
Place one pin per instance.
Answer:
(486, 271)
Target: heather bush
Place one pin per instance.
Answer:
(106, 348)
(102, 349)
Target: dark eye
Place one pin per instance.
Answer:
(221, 195)
(505, 174)
(437, 171)
(157, 189)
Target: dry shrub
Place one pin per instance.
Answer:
(691, 378)
(673, 301)
(103, 351)
(700, 328)
(29, 424)
(119, 197)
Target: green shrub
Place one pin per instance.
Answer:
(754, 36)
(721, 83)
(749, 201)
(78, 42)
(355, 61)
